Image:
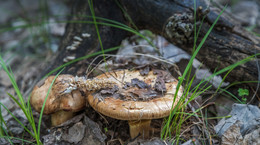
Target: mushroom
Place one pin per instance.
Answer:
(151, 104)
(61, 106)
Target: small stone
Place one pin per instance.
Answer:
(8, 103)
(75, 133)
(93, 134)
(48, 139)
(3, 141)
(249, 13)
(16, 130)
(154, 141)
(252, 138)
(13, 125)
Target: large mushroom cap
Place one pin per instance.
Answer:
(155, 108)
(56, 100)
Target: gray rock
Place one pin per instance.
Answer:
(247, 11)
(48, 139)
(57, 29)
(75, 133)
(3, 141)
(54, 137)
(93, 134)
(6, 141)
(153, 141)
(8, 104)
(84, 132)
(225, 105)
(191, 142)
(170, 52)
(248, 115)
(8, 9)
(252, 138)
(13, 125)
(232, 135)
(30, 5)
(58, 7)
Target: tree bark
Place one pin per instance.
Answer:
(78, 25)
(227, 44)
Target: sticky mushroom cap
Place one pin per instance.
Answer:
(57, 101)
(136, 110)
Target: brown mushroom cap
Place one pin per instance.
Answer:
(136, 110)
(57, 101)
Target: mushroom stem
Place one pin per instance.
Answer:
(61, 116)
(139, 126)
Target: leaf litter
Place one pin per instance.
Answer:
(137, 90)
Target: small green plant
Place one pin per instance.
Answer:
(106, 130)
(243, 93)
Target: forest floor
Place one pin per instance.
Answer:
(26, 51)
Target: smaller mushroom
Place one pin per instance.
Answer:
(61, 106)
(138, 99)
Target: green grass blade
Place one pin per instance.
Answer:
(114, 24)
(233, 96)
(25, 128)
(20, 106)
(29, 110)
(2, 129)
(90, 2)
(238, 83)
(12, 79)
(7, 135)
(126, 15)
(2, 122)
(231, 67)
(81, 58)
(40, 118)
(165, 131)
(18, 139)
(15, 100)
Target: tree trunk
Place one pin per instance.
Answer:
(227, 44)
(78, 25)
